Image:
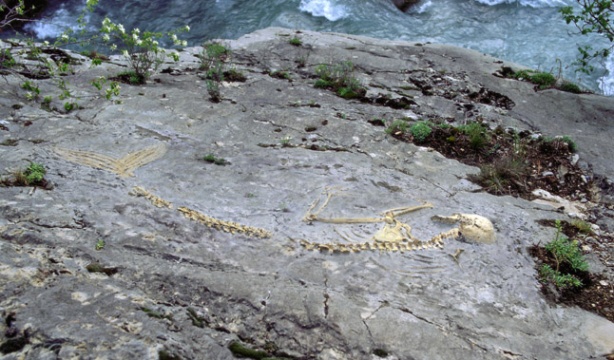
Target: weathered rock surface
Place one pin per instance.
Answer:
(180, 286)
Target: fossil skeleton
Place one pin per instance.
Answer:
(155, 200)
(396, 235)
(222, 225)
(123, 166)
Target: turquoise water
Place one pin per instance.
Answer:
(529, 32)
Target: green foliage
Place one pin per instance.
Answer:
(130, 77)
(100, 244)
(398, 127)
(285, 141)
(155, 314)
(234, 75)
(339, 78)
(210, 158)
(141, 50)
(582, 226)
(573, 147)
(502, 174)
(6, 59)
(594, 17)
(34, 173)
(562, 281)
(570, 87)
(420, 130)
(197, 321)
(564, 252)
(543, 80)
(213, 89)
(212, 54)
(551, 144)
(280, 74)
(242, 351)
(296, 41)
(32, 91)
(476, 133)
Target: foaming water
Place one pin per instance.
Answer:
(528, 32)
(606, 83)
(325, 8)
(531, 3)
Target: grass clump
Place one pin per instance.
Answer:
(212, 53)
(295, 41)
(398, 127)
(6, 59)
(568, 261)
(476, 133)
(420, 131)
(502, 175)
(338, 78)
(570, 87)
(543, 80)
(243, 351)
(557, 144)
(131, 78)
(212, 159)
(583, 226)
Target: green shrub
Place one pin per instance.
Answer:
(296, 41)
(339, 78)
(212, 54)
(420, 130)
(477, 135)
(570, 143)
(543, 80)
(570, 87)
(35, 173)
(564, 252)
(6, 59)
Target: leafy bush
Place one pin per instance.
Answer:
(594, 17)
(477, 135)
(35, 173)
(565, 253)
(570, 87)
(296, 41)
(420, 130)
(213, 54)
(142, 50)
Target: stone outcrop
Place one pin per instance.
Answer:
(143, 250)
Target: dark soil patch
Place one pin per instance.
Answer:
(595, 295)
(512, 163)
(517, 163)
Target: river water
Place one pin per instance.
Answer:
(528, 32)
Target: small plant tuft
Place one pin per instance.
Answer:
(240, 350)
(398, 127)
(566, 254)
(212, 159)
(420, 131)
(295, 41)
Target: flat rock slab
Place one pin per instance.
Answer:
(176, 283)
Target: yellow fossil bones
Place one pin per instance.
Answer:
(123, 166)
(218, 224)
(392, 237)
(223, 225)
(474, 228)
(155, 200)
